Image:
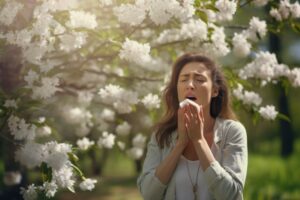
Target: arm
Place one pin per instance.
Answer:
(156, 172)
(226, 181)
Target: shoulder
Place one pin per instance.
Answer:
(235, 130)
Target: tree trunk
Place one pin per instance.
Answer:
(286, 132)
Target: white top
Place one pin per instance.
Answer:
(225, 177)
(184, 187)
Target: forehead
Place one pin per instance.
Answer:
(195, 68)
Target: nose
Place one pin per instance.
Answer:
(190, 84)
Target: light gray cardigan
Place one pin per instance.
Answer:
(225, 177)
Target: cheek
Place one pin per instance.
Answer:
(180, 90)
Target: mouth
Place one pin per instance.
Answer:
(191, 98)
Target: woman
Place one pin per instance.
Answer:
(196, 155)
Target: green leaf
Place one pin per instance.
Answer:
(46, 172)
(212, 7)
(71, 189)
(202, 15)
(296, 27)
(256, 117)
(73, 158)
(78, 171)
(283, 117)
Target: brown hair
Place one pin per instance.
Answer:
(219, 105)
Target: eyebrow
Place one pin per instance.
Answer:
(188, 74)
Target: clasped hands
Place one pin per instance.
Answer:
(190, 124)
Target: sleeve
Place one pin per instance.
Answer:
(148, 184)
(227, 181)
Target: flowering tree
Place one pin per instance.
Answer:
(92, 72)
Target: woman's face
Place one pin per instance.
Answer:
(194, 82)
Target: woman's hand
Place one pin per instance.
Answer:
(182, 132)
(194, 122)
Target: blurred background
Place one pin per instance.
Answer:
(274, 146)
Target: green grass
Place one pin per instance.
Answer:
(271, 177)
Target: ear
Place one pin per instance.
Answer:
(215, 91)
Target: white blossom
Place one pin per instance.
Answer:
(30, 155)
(284, 8)
(262, 67)
(226, 9)
(50, 188)
(105, 2)
(10, 103)
(41, 120)
(186, 11)
(241, 47)
(77, 115)
(12, 178)
(275, 13)
(257, 27)
(133, 51)
(49, 86)
(82, 19)
(135, 152)
(107, 140)
(9, 12)
(252, 98)
(161, 11)
(268, 112)
(121, 145)
(72, 41)
(130, 14)
(88, 184)
(123, 129)
(30, 193)
(20, 129)
(31, 77)
(34, 52)
(294, 77)
(218, 47)
(64, 177)
(139, 141)
(84, 143)
(238, 92)
(43, 131)
(295, 10)
(56, 155)
(247, 97)
(108, 115)
(151, 101)
(121, 99)
(169, 35)
(194, 29)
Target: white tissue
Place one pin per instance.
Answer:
(188, 101)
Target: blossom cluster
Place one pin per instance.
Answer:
(266, 68)
(251, 98)
(159, 11)
(121, 99)
(286, 10)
